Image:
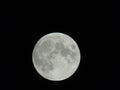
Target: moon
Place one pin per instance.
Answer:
(56, 56)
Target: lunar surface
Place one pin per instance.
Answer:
(56, 56)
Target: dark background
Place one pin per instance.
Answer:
(23, 23)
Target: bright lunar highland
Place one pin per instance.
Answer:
(56, 56)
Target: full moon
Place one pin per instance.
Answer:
(56, 56)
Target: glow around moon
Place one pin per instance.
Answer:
(56, 56)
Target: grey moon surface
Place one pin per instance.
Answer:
(56, 56)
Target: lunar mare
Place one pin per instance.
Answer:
(56, 56)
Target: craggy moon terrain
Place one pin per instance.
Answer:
(56, 56)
